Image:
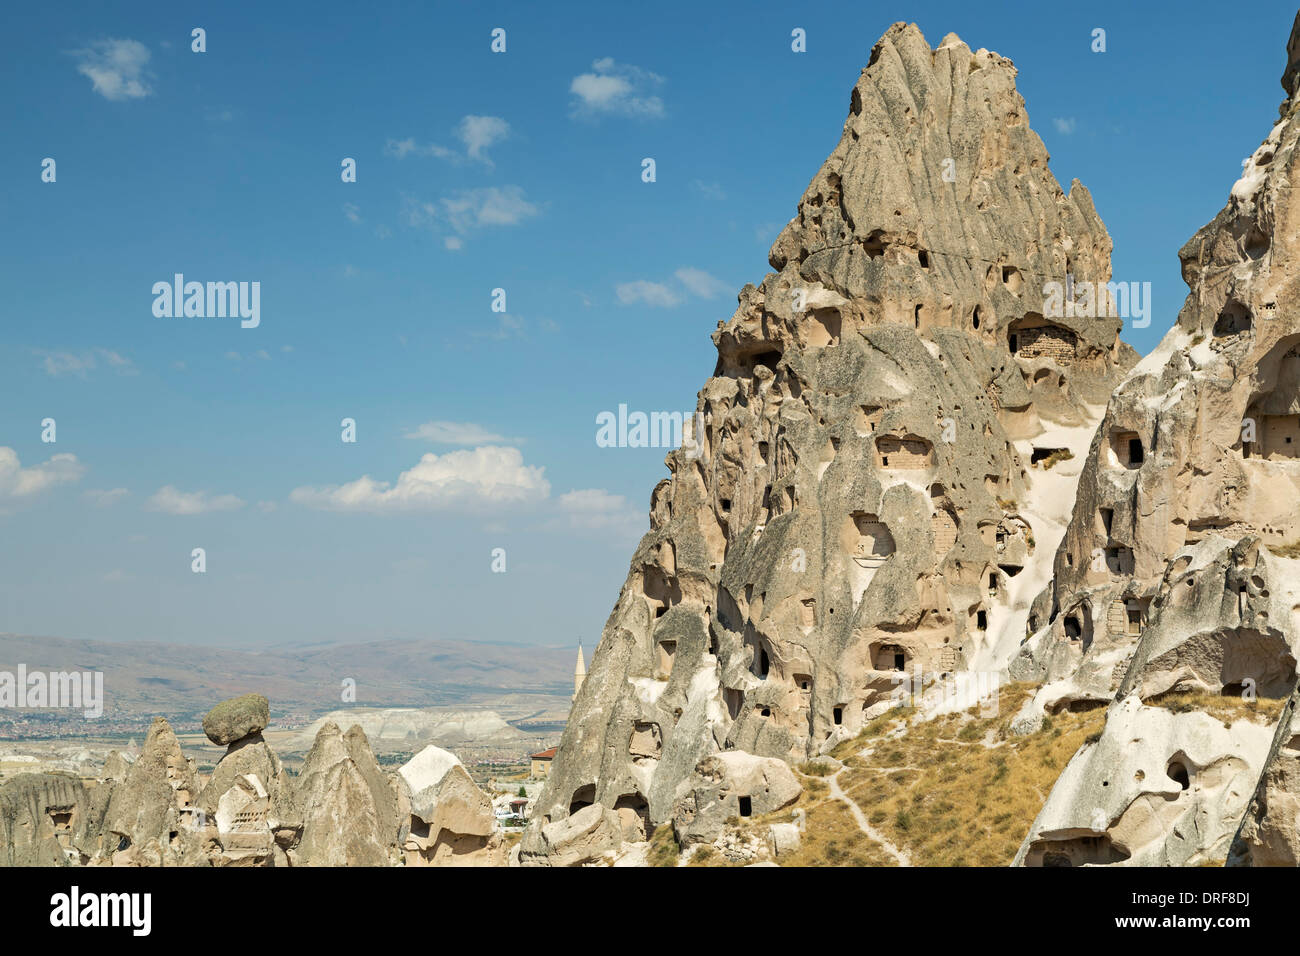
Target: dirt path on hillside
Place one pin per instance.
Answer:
(871, 832)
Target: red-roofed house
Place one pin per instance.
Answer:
(541, 763)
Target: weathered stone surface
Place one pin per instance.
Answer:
(1157, 789)
(237, 717)
(582, 837)
(451, 823)
(48, 819)
(150, 817)
(349, 810)
(115, 767)
(1269, 834)
(784, 839)
(731, 784)
(1177, 571)
(444, 796)
(863, 494)
(250, 765)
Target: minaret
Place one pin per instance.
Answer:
(579, 672)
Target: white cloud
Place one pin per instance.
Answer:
(487, 476)
(594, 509)
(401, 148)
(468, 211)
(455, 433)
(480, 132)
(103, 498)
(116, 68)
(417, 212)
(19, 482)
(79, 363)
(692, 281)
(172, 501)
(615, 89)
(700, 283)
(477, 133)
(491, 206)
(1064, 125)
(352, 212)
(651, 293)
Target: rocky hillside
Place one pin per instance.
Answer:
(943, 576)
(883, 471)
(1178, 578)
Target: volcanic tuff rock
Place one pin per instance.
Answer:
(866, 485)
(1178, 570)
(49, 819)
(451, 820)
(720, 784)
(343, 809)
(149, 819)
(349, 807)
(1269, 834)
(235, 718)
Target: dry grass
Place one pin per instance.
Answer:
(940, 794)
(663, 847)
(937, 791)
(706, 854)
(815, 768)
(1227, 708)
(958, 790)
(833, 839)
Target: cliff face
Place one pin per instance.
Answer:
(876, 485)
(1177, 572)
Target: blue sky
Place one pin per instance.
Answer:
(475, 171)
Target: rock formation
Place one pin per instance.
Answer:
(236, 719)
(150, 819)
(870, 491)
(1178, 571)
(349, 808)
(342, 810)
(1269, 834)
(731, 784)
(49, 820)
(451, 821)
(249, 806)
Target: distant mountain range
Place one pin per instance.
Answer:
(175, 680)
